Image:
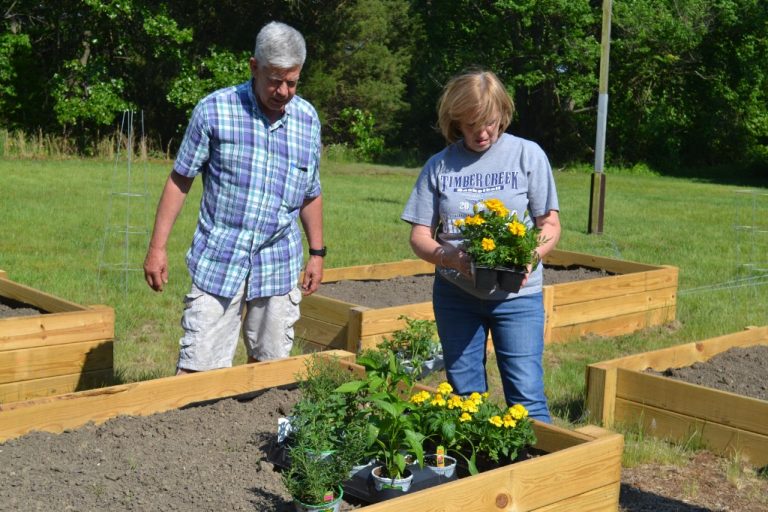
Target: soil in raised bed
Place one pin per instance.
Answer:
(740, 370)
(417, 289)
(214, 457)
(11, 308)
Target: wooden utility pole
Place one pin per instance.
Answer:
(597, 196)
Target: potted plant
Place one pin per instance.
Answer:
(389, 414)
(500, 245)
(416, 346)
(315, 482)
(473, 426)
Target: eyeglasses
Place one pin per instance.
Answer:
(277, 82)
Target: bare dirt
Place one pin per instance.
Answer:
(213, 457)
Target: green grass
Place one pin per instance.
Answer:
(58, 214)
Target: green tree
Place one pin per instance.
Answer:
(361, 55)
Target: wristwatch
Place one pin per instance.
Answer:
(318, 252)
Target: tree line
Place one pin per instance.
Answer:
(688, 80)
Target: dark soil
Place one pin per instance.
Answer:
(741, 370)
(10, 307)
(213, 457)
(416, 289)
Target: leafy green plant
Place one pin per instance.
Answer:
(389, 413)
(473, 425)
(310, 478)
(495, 238)
(417, 342)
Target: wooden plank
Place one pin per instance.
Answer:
(44, 301)
(567, 258)
(378, 271)
(28, 389)
(39, 363)
(614, 326)
(572, 314)
(3, 274)
(551, 438)
(692, 400)
(322, 333)
(354, 330)
(387, 320)
(596, 500)
(55, 414)
(601, 395)
(627, 284)
(724, 439)
(524, 486)
(685, 355)
(26, 332)
(326, 308)
(550, 317)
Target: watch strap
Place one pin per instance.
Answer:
(318, 252)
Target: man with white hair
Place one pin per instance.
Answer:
(257, 147)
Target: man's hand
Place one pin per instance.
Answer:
(156, 268)
(313, 275)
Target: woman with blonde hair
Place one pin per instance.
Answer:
(483, 162)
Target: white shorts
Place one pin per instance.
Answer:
(212, 326)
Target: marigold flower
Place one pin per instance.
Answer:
(509, 422)
(496, 421)
(474, 220)
(469, 406)
(516, 228)
(488, 244)
(458, 223)
(420, 397)
(445, 388)
(518, 411)
(476, 397)
(497, 207)
(465, 417)
(454, 402)
(438, 400)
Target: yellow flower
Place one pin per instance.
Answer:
(486, 395)
(496, 421)
(474, 220)
(458, 223)
(469, 406)
(476, 397)
(438, 400)
(454, 402)
(488, 244)
(420, 397)
(509, 422)
(465, 417)
(516, 228)
(445, 388)
(518, 412)
(497, 207)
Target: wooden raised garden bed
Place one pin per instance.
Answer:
(619, 391)
(67, 347)
(578, 470)
(634, 297)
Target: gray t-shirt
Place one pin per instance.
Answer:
(514, 170)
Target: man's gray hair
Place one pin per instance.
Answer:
(280, 45)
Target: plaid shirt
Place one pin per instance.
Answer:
(256, 177)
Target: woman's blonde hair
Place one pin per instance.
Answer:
(473, 97)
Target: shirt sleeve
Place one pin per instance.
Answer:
(542, 194)
(422, 205)
(195, 147)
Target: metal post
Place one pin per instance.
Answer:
(597, 196)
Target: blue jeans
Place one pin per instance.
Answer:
(517, 327)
